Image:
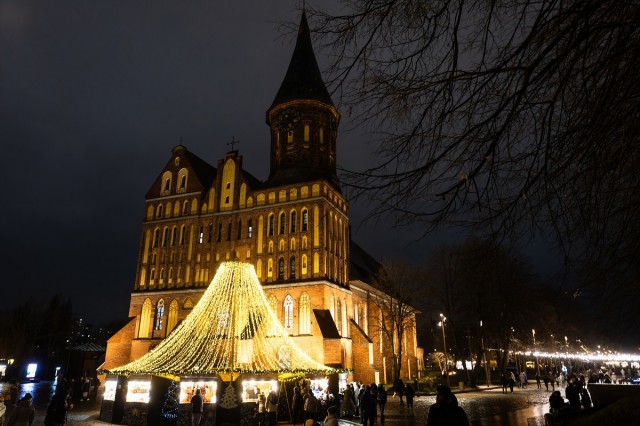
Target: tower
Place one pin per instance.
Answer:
(303, 121)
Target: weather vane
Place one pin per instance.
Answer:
(233, 142)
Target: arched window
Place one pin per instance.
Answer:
(145, 319)
(165, 237)
(159, 315)
(305, 314)
(183, 235)
(156, 237)
(185, 208)
(172, 320)
(282, 223)
(292, 267)
(292, 222)
(271, 225)
(174, 236)
(339, 316)
(305, 220)
(288, 312)
(281, 269)
(159, 211)
(270, 249)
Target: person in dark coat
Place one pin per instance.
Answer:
(57, 411)
(197, 406)
(368, 407)
(409, 393)
(297, 406)
(382, 401)
(400, 390)
(446, 411)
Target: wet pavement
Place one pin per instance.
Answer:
(483, 407)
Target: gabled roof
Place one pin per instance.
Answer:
(303, 79)
(327, 325)
(362, 266)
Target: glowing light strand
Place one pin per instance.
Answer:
(232, 329)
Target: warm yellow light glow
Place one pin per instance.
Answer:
(138, 391)
(231, 329)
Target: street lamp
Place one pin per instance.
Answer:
(533, 331)
(484, 355)
(443, 319)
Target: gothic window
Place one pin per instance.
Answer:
(282, 223)
(159, 315)
(172, 320)
(156, 237)
(292, 222)
(145, 319)
(159, 211)
(305, 220)
(183, 235)
(288, 312)
(305, 314)
(249, 229)
(270, 250)
(290, 136)
(304, 243)
(174, 236)
(183, 182)
(306, 133)
(200, 234)
(271, 225)
(185, 208)
(167, 184)
(339, 316)
(292, 267)
(281, 269)
(165, 237)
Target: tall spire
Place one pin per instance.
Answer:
(303, 80)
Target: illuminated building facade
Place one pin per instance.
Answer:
(293, 227)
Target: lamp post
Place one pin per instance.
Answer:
(533, 331)
(443, 319)
(484, 356)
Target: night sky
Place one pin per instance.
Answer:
(93, 96)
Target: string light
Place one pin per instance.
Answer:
(232, 329)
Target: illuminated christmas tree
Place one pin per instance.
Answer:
(170, 406)
(232, 329)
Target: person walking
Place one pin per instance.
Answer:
(382, 401)
(197, 406)
(24, 413)
(400, 390)
(446, 411)
(56, 411)
(297, 406)
(409, 393)
(310, 406)
(368, 407)
(332, 416)
(272, 408)
(505, 382)
(546, 382)
(538, 381)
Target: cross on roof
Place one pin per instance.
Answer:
(233, 142)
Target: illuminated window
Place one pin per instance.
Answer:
(200, 235)
(305, 314)
(281, 269)
(288, 312)
(271, 225)
(321, 135)
(305, 219)
(293, 222)
(290, 136)
(292, 267)
(172, 320)
(339, 316)
(250, 229)
(282, 223)
(145, 318)
(183, 235)
(159, 315)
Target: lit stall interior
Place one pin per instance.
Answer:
(208, 389)
(138, 390)
(110, 386)
(252, 388)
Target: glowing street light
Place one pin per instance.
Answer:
(533, 331)
(441, 323)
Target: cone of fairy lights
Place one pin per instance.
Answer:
(232, 329)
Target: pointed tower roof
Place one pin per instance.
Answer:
(303, 79)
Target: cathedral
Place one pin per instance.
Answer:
(293, 228)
